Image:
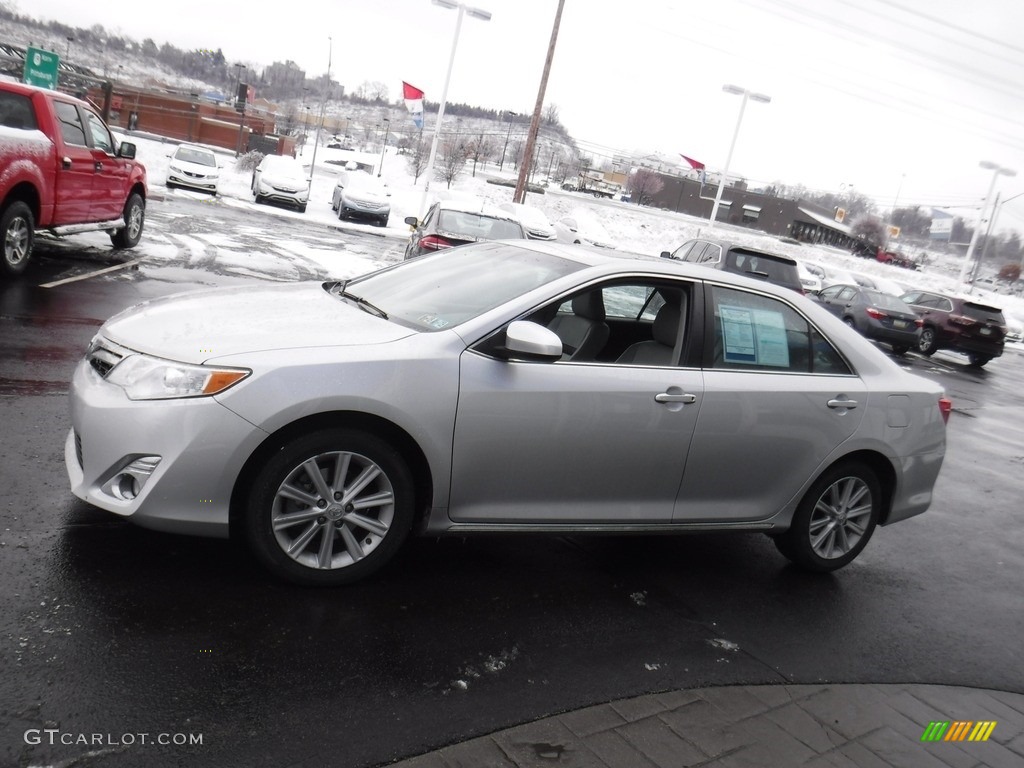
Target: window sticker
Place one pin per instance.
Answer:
(753, 336)
(432, 321)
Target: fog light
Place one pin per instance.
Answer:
(127, 483)
(125, 487)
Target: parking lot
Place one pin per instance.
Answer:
(110, 629)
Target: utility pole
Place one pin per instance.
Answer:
(531, 138)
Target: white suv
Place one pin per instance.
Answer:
(281, 179)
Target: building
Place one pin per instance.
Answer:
(798, 219)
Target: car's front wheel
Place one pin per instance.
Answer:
(835, 519)
(928, 344)
(134, 220)
(900, 349)
(330, 508)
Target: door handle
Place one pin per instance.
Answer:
(665, 397)
(836, 403)
(66, 163)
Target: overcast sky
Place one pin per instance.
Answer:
(889, 97)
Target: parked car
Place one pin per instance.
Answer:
(533, 220)
(193, 167)
(581, 227)
(322, 423)
(360, 195)
(962, 325)
(63, 172)
(830, 275)
(874, 314)
(281, 179)
(811, 282)
(456, 222)
(740, 259)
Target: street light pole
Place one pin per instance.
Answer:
(507, 137)
(323, 106)
(476, 13)
(760, 97)
(997, 171)
(387, 132)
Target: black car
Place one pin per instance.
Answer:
(962, 325)
(874, 314)
(741, 260)
(449, 223)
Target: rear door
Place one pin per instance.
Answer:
(76, 167)
(778, 399)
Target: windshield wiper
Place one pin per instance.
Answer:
(338, 289)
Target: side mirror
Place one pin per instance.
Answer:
(412, 221)
(529, 341)
(666, 255)
(126, 150)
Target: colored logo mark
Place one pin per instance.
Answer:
(958, 730)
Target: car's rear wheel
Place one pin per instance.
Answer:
(330, 508)
(978, 360)
(17, 228)
(835, 520)
(928, 344)
(849, 322)
(134, 220)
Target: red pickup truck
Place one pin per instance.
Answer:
(61, 171)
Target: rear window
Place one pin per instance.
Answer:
(774, 269)
(983, 312)
(478, 227)
(16, 112)
(886, 301)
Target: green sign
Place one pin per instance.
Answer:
(41, 68)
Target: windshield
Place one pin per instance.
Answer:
(197, 156)
(432, 293)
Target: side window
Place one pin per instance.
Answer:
(712, 254)
(16, 112)
(680, 253)
(911, 298)
(694, 253)
(70, 124)
(761, 333)
(626, 301)
(101, 138)
(830, 292)
(944, 304)
(846, 294)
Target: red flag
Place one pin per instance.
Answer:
(697, 165)
(414, 102)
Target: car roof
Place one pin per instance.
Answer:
(732, 245)
(474, 206)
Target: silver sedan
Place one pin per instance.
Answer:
(500, 387)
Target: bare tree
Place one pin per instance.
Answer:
(419, 153)
(453, 161)
(550, 116)
(643, 184)
(869, 228)
(480, 150)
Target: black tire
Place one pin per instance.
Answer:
(849, 322)
(825, 509)
(978, 361)
(382, 222)
(900, 349)
(302, 209)
(928, 344)
(341, 213)
(18, 228)
(356, 547)
(134, 219)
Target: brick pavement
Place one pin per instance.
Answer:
(817, 726)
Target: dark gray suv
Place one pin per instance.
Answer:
(740, 259)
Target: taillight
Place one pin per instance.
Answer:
(961, 320)
(875, 313)
(945, 408)
(434, 243)
(919, 323)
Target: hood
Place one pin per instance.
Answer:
(203, 325)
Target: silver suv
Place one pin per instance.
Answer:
(740, 259)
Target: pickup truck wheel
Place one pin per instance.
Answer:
(134, 219)
(18, 229)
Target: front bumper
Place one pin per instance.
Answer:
(200, 444)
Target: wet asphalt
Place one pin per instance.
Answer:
(109, 632)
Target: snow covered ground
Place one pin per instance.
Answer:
(634, 228)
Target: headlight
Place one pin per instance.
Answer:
(149, 378)
(176, 169)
